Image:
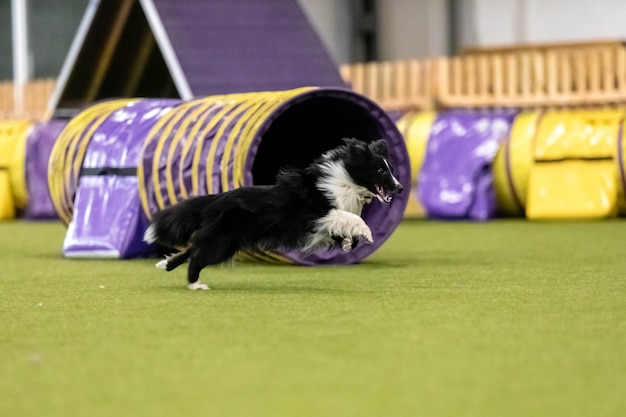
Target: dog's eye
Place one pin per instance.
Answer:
(381, 170)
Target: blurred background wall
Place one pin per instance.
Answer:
(365, 30)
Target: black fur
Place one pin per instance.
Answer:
(210, 229)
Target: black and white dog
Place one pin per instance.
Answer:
(306, 209)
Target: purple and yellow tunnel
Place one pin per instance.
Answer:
(118, 162)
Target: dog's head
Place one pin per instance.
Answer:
(369, 167)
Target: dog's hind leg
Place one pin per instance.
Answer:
(205, 255)
(193, 274)
(173, 261)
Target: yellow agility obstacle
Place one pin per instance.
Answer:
(415, 126)
(13, 193)
(574, 171)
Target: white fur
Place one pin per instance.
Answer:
(340, 188)
(162, 264)
(395, 180)
(149, 235)
(198, 286)
(338, 223)
(346, 244)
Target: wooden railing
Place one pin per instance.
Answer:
(29, 101)
(543, 75)
(583, 77)
(569, 75)
(397, 85)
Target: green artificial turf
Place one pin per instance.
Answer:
(506, 318)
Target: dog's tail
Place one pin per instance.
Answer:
(174, 225)
(149, 235)
(171, 234)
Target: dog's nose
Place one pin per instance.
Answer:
(399, 188)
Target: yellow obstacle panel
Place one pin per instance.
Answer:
(620, 168)
(512, 164)
(574, 175)
(13, 195)
(416, 128)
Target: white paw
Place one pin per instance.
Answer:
(363, 232)
(346, 244)
(367, 236)
(343, 223)
(198, 286)
(161, 264)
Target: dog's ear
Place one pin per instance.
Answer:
(351, 142)
(355, 146)
(380, 147)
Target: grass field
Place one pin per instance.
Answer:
(506, 318)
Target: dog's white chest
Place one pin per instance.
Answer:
(350, 200)
(340, 188)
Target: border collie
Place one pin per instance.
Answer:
(308, 209)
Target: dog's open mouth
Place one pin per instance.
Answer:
(382, 195)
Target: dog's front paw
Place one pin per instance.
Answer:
(347, 229)
(365, 234)
(347, 244)
(359, 230)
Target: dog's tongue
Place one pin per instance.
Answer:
(382, 196)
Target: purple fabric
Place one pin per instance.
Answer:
(455, 180)
(223, 126)
(185, 166)
(148, 159)
(118, 141)
(243, 46)
(107, 220)
(176, 166)
(39, 144)
(396, 115)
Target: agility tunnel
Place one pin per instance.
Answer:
(118, 162)
(39, 143)
(577, 169)
(455, 179)
(512, 165)
(93, 177)
(563, 165)
(547, 164)
(25, 148)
